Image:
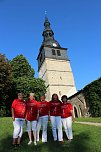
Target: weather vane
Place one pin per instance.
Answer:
(46, 14)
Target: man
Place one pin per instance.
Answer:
(18, 110)
(31, 117)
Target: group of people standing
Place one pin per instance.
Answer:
(37, 114)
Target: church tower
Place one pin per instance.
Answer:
(54, 65)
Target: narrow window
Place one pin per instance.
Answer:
(50, 34)
(53, 52)
(60, 93)
(60, 77)
(58, 53)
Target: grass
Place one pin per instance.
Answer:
(86, 139)
(91, 119)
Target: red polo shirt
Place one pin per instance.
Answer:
(66, 110)
(43, 108)
(19, 107)
(55, 108)
(32, 110)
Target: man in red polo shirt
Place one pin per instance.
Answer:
(18, 110)
(32, 117)
(43, 118)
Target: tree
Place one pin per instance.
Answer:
(27, 85)
(24, 77)
(93, 95)
(17, 76)
(6, 82)
(21, 67)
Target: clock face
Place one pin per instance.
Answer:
(54, 44)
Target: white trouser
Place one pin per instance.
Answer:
(18, 124)
(31, 125)
(56, 124)
(67, 124)
(43, 121)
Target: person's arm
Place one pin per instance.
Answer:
(38, 114)
(12, 111)
(26, 114)
(49, 115)
(26, 111)
(48, 111)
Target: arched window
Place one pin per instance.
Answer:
(50, 34)
(60, 77)
(60, 93)
(46, 34)
(75, 112)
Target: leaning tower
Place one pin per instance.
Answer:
(54, 65)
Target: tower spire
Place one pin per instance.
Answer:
(46, 23)
(48, 34)
(46, 18)
(45, 14)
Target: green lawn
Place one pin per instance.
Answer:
(86, 139)
(89, 119)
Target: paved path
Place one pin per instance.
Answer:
(89, 123)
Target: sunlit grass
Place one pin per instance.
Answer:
(86, 139)
(90, 119)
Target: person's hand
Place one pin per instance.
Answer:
(26, 118)
(73, 119)
(13, 118)
(37, 117)
(48, 118)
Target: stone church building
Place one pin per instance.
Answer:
(80, 105)
(54, 67)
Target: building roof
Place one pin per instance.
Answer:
(48, 35)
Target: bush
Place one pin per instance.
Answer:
(93, 97)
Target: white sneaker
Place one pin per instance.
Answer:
(29, 142)
(35, 143)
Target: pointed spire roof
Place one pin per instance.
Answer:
(46, 22)
(48, 35)
(47, 25)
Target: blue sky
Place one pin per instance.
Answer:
(76, 24)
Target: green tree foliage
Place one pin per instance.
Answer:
(21, 67)
(6, 83)
(17, 76)
(93, 96)
(26, 85)
(24, 78)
